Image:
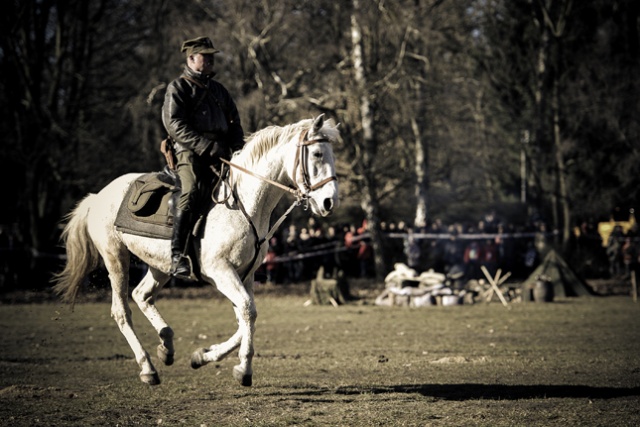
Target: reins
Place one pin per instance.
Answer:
(297, 163)
(294, 191)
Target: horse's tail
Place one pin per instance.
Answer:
(82, 254)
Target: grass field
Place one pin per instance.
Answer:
(568, 363)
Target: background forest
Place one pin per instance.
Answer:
(448, 108)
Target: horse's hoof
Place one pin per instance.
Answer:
(197, 358)
(244, 379)
(165, 355)
(151, 379)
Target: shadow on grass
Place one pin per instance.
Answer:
(461, 392)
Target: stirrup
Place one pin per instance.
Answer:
(183, 275)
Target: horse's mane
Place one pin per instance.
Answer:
(262, 141)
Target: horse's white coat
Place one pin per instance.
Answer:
(227, 247)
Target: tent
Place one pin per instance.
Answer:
(566, 282)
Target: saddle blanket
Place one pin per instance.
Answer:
(146, 208)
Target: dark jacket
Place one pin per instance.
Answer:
(199, 116)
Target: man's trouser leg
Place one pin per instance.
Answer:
(180, 262)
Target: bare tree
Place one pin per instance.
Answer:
(66, 73)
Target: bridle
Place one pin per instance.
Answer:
(302, 160)
(301, 164)
(302, 196)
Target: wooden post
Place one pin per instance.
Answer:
(495, 283)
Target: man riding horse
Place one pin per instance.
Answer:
(203, 124)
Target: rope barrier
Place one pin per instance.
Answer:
(337, 246)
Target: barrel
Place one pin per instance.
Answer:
(543, 291)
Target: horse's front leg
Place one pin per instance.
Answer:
(241, 296)
(145, 295)
(246, 315)
(243, 338)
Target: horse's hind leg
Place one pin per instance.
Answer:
(145, 295)
(118, 267)
(216, 352)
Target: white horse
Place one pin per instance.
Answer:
(297, 158)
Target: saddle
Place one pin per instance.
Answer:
(146, 209)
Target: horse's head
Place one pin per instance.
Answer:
(297, 158)
(314, 169)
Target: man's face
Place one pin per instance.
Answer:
(201, 63)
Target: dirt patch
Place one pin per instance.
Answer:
(459, 360)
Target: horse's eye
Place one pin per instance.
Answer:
(318, 155)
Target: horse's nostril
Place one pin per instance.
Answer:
(328, 204)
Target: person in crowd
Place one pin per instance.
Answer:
(349, 235)
(363, 249)
(530, 258)
(304, 264)
(349, 257)
(489, 256)
(629, 255)
(291, 249)
(453, 251)
(541, 240)
(270, 265)
(490, 222)
(272, 268)
(472, 256)
(614, 255)
(330, 258)
(499, 242)
(365, 257)
(432, 248)
(481, 227)
(437, 226)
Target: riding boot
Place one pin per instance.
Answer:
(180, 262)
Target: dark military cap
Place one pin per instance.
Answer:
(199, 45)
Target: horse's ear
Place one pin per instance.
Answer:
(318, 123)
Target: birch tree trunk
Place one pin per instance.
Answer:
(369, 203)
(422, 161)
(557, 28)
(540, 98)
(563, 194)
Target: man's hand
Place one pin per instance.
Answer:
(216, 151)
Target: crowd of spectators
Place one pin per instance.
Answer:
(297, 253)
(466, 248)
